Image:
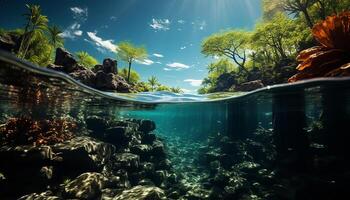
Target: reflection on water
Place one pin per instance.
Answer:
(282, 142)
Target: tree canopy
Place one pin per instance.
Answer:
(85, 59)
(129, 53)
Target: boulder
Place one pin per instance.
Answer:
(126, 161)
(86, 76)
(56, 67)
(225, 82)
(142, 193)
(97, 124)
(9, 42)
(117, 136)
(86, 186)
(66, 59)
(110, 66)
(82, 154)
(48, 195)
(249, 86)
(147, 126)
(106, 81)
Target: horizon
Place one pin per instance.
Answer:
(171, 31)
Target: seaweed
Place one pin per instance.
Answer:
(332, 57)
(27, 131)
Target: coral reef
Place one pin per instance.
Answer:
(332, 58)
(25, 130)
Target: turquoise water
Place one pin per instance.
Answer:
(280, 142)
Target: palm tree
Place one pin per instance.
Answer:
(129, 53)
(153, 82)
(176, 90)
(55, 37)
(85, 59)
(36, 24)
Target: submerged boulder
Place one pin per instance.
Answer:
(86, 186)
(142, 193)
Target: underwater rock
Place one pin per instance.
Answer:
(65, 59)
(142, 150)
(127, 161)
(142, 193)
(86, 186)
(110, 66)
(149, 138)
(83, 154)
(96, 123)
(147, 126)
(249, 86)
(48, 195)
(117, 136)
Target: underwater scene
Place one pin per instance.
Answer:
(249, 100)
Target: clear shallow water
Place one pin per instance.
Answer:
(195, 126)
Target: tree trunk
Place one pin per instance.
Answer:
(129, 72)
(308, 18)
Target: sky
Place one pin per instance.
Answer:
(171, 30)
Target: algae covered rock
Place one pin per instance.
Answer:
(142, 193)
(86, 186)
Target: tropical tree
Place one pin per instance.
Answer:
(299, 6)
(86, 59)
(232, 44)
(129, 53)
(176, 90)
(134, 76)
(36, 25)
(55, 38)
(153, 81)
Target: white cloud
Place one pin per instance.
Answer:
(102, 44)
(145, 62)
(78, 33)
(160, 24)
(177, 66)
(194, 82)
(182, 48)
(158, 55)
(80, 14)
(167, 69)
(72, 31)
(181, 21)
(159, 62)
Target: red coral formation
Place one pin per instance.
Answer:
(332, 58)
(26, 131)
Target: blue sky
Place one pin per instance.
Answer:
(171, 30)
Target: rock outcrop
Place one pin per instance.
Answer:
(103, 77)
(249, 86)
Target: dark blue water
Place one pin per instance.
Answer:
(281, 142)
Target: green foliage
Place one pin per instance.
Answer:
(129, 53)
(134, 76)
(153, 82)
(85, 59)
(176, 90)
(142, 87)
(54, 35)
(163, 88)
(35, 27)
(232, 44)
